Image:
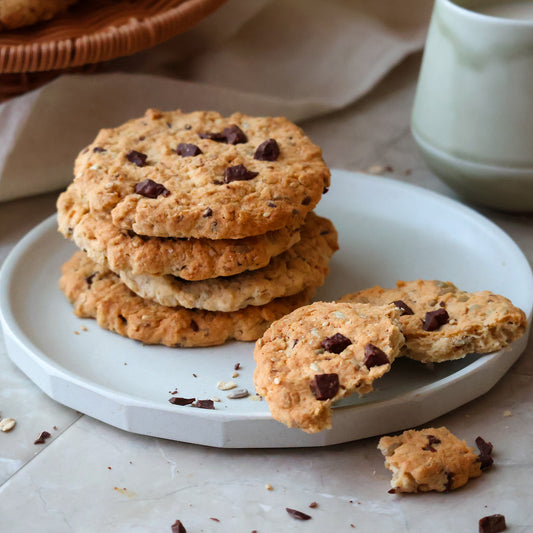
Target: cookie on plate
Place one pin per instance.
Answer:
(190, 259)
(429, 459)
(321, 353)
(19, 13)
(202, 175)
(96, 292)
(302, 266)
(441, 322)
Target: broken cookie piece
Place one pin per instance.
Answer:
(429, 459)
(323, 352)
(441, 322)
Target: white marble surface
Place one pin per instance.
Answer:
(92, 477)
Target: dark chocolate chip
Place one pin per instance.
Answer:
(99, 149)
(325, 386)
(431, 440)
(151, 189)
(218, 137)
(238, 173)
(194, 325)
(234, 135)
(208, 212)
(267, 151)
(406, 310)
(392, 491)
(435, 319)
(449, 481)
(492, 524)
(306, 200)
(297, 514)
(178, 527)
(442, 304)
(204, 404)
(187, 127)
(188, 150)
(176, 400)
(137, 158)
(41, 438)
(325, 190)
(89, 279)
(336, 343)
(485, 453)
(271, 204)
(313, 505)
(123, 319)
(375, 356)
(237, 366)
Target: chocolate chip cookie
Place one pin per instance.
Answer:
(323, 352)
(429, 459)
(441, 322)
(303, 266)
(98, 293)
(189, 259)
(202, 175)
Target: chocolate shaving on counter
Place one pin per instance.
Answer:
(137, 158)
(406, 310)
(178, 527)
(336, 343)
(267, 151)
(492, 524)
(176, 400)
(204, 404)
(485, 453)
(188, 150)
(325, 386)
(234, 135)
(297, 514)
(238, 173)
(151, 189)
(41, 438)
(435, 319)
(375, 356)
(313, 505)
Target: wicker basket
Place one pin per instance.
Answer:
(91, 32)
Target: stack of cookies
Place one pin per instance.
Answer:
(194, 228)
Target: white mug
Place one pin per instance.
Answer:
(473, 111)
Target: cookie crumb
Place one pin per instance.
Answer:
(226, 385)
(268, 486)
(375, 169)
(256, 398)
(235, 375)
(83, 328)
(507, 413)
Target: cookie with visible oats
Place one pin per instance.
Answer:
(302, 266)
(321, 353)
(441, 322)
(19, 13)
(202, 175)
(429, 459)
(190, 259)
(97, 293)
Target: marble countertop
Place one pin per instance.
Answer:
(93, 477)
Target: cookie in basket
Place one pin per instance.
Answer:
(18, 13)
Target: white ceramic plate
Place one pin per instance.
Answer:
(387, 231)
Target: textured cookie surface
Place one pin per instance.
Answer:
(18, 13)
(190, 259)
(210, 177)
(98, 293)
(304, 265)
(458, 322)
(430, 459)
(321, 353)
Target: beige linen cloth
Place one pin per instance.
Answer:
(297, 58)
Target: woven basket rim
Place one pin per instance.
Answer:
(104, 44)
